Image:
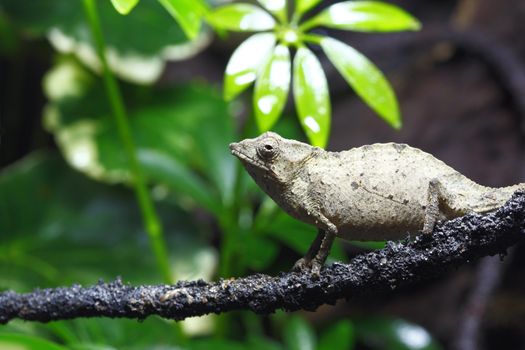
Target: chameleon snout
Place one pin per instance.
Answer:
(234, 147)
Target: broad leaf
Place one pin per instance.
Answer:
(299, 335)
(262, 343)
(50, 213)
(182, 135)
(312, 99)
(187, 13)
(271, 88)
(338, 337)
(299, 235)
(242, 18)
(26, 342)
(394, 334)
(137, 44)
(303, 6)
(366, 16)
(124, 6)
(277, 7)
(216, 344)
(243, 66)
(365, 78)
(90, 347)
(258, 252)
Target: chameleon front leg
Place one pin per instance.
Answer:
(320, 248)
(306, 261)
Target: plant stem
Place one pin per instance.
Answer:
(229, 234)
(149, 214)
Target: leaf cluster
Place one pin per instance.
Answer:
(265, 58)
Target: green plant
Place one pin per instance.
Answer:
(264, 58)
(188, 13)
(71, 218)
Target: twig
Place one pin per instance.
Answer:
(488, 277)
(453, 243)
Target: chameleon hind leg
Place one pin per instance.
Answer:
(322, 254)
(438, 206)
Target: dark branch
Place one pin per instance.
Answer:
(452, 244)
(488, 278)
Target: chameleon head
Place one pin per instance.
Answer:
(270, 159)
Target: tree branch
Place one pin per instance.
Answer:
(452, 244)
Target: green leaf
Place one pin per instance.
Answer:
(241, 18)
(394, 334)
(187, 13)
(218, 344)
(303, 6)
(124, 6)
(365, 16)
(26, 342)
(365, 78)
(299, 335)
(277, 7)
(10, 41)
(312, 99)
(262, 343)
(243, 66)
(271, 88)
(258, 252)
(138, 45)
(50, 213)
(369, 245)
(171, 173)
(182, 135)
(90, 347)
(338, 337)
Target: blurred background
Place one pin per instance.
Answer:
(68, 214)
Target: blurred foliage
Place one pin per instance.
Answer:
(394, 334)
(135, 50)
(69, 216)
(187, 13)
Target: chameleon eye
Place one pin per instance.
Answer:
(268, 150)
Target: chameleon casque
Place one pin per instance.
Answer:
(374, 192)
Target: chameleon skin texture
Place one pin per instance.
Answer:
(370, 193)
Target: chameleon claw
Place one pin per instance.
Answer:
(302, 265)
(315, 271)
(308, 266)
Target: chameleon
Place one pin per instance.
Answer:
(374, 192)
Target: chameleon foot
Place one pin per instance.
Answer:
(308, 266)
(301, 265)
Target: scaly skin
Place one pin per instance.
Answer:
(371, 193)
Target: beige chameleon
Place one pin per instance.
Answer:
(375, 192)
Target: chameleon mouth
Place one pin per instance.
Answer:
(234, 149)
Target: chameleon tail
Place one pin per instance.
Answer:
(494, 197)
